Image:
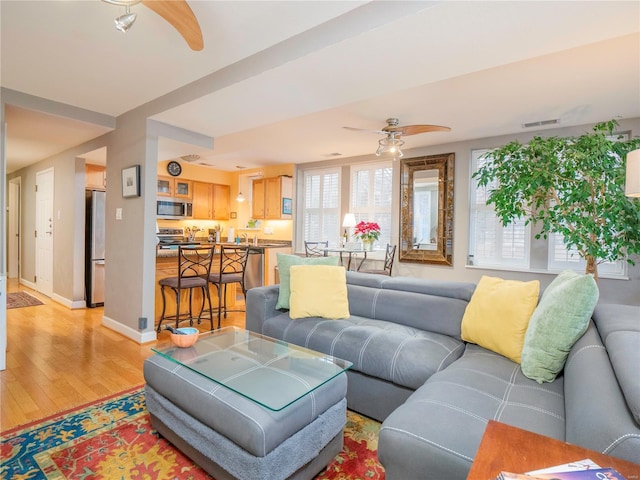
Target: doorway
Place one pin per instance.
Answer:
(44, 232)
(13, 240)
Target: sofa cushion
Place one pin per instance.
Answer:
(598, 414)
(439, 428)
(318, 291)
(498, 315)
(559, 320)
(284, 265)
(619, 327)
(403, 355)
(426, 304)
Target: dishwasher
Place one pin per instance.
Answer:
(254, 270)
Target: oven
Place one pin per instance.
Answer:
(173, 209)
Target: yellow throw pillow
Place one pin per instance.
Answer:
(318, 291)
(498, 315)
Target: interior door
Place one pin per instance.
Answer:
(13, 240)
(44, 232)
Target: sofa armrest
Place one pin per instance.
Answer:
(261, 305)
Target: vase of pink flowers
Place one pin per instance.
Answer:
(367, 233)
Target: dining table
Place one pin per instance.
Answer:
(351, 254)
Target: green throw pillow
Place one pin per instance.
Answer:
(560, 319)
(284, 264)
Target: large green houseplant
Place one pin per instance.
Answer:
(573, 186)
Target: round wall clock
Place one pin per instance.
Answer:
(174, 168)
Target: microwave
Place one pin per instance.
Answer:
(174, 209)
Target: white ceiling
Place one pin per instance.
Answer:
(482, 68)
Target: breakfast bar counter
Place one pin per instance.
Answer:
(260, 271)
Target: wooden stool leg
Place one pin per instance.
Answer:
(164, 308)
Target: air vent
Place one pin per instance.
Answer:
(333, 154)
(541, 123)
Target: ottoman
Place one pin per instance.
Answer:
(233, 437)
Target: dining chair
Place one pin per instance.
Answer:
(231, 269)
(388, 262)
(316, 249)
(194, 266)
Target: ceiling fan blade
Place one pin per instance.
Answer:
(181, 17)
(377, 132)
(415, 129)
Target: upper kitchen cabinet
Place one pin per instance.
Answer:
(95, 177)
(174, 187)
(272, 197)
(210, 201)
(221, 201)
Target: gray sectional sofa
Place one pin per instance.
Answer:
(435, 393)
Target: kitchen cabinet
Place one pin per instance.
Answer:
(268, 195)
(221, 201)
(95, 177)
(174, 187)
(210, 201)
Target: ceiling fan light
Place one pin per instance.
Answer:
(124, 22)
(391, 145)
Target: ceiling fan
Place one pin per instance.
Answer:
(393, 131)
(176, 12)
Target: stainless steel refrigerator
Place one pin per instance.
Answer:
(94, 247)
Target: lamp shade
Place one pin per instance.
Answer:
(632, 185)
(240, 198)
(349, 220)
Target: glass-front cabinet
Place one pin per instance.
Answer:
(174, 187)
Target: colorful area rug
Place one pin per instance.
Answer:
(113, 439)
(21, 299)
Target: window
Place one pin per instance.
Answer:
(491, 244)
(320, 221)
(562, 258)
(371, 197)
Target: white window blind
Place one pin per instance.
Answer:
(491, 244)
(321, 210)
(563, 258)
(371, 197)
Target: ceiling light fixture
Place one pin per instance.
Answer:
(240, 197)
(390, 144)
(124, 22)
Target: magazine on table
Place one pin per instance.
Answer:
(581, 470)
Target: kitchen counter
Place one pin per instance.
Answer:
(261, 265)
(172, 251)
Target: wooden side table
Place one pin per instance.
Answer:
(511, 449)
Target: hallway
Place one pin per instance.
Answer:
(59, 358)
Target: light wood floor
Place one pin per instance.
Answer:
(59, 358)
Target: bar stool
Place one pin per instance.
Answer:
(194, 267)
(232, 268)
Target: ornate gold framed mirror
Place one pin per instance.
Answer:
(426, 209)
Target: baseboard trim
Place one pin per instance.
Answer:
(73, 305)
(135, 335)
(68, 303)
(27, 283)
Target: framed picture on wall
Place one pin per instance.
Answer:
(131, 181)
(286, 206)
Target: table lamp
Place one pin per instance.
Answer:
(632, 185)
(348, 222)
